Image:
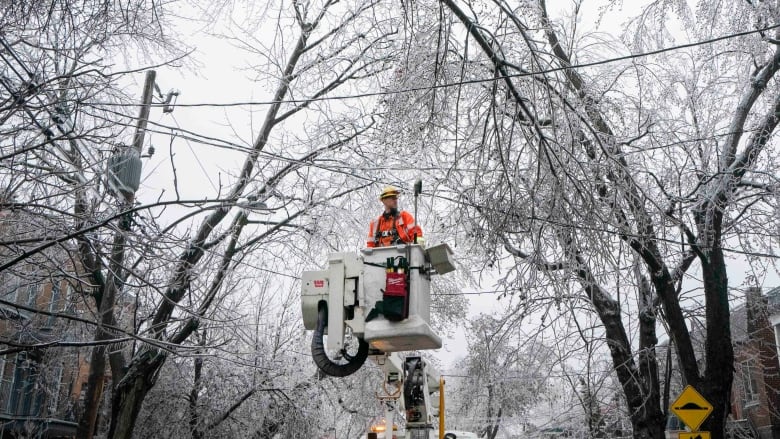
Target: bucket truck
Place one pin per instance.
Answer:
(376, 304)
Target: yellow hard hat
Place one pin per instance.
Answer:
(389, 191)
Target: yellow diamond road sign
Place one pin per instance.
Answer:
(695, 435)
(691, 408)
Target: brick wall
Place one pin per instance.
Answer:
(757, 368)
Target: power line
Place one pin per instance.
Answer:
(468, 293)
(463, 82)
(529, 377)
(195, 156)
(344, 170)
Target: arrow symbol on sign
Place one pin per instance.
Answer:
(691, 406)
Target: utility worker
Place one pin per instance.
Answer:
(393, 226)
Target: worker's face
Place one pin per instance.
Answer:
(390, 203)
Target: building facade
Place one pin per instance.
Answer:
(40, 386)
(755, 395)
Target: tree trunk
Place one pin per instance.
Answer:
(95, 383)
(719, 372)
(196, 425)
(97, 363)
(127, 405)
(652, 418)
(129, 394)
(493, 429)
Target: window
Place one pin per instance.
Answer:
(56, 297)
(777, 339)
(32, 294)
(71, 298)
(4, 384)
(54, 387)
(749, 382)
(26, 396)
(10, 290)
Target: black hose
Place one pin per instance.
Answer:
(411, 380)
(325, 364)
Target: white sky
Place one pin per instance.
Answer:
(222, 79)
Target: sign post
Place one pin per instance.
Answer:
(692, 409)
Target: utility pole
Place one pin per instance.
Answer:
(124, 173)
(124, 167)
(143, 117)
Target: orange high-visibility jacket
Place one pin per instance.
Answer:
(389, 230)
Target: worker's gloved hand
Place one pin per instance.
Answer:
(420, 241)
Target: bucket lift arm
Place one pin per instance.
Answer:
(416, 382)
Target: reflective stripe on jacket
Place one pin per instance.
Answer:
(381, 233)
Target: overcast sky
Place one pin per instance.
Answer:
(223, 77)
